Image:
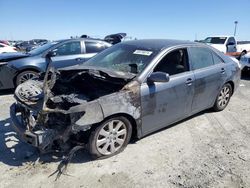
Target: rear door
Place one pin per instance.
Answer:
(68, 54)
(209, 72)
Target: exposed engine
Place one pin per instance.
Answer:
(47, 110)
(74, 87)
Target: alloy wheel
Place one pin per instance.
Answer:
(224, 96)
(27, 76)
(111, 137)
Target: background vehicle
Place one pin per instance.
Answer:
(228, 45)
(36, 43)
(115, 38)
(243, 47)
(4, 48)
(245, 62)
(5, 42)
(16, 68)
(26, 45)
(132, 88)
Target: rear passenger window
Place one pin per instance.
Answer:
(217, 60)
(94, 47)
(200, 58)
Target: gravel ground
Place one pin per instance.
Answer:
(207, 150)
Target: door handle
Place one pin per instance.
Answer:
(189, 81)
(79, 59)
(222, 71)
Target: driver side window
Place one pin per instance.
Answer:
(70, 48)
(174, 62)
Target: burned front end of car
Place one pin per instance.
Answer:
(60, 111)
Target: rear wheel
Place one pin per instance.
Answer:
(243, 53)
(223, 98)
(110, 137)
(26, 75)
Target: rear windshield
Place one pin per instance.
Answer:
(215, 40)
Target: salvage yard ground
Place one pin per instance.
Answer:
(207, 150)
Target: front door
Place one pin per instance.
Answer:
(165, 103)
(68, 54)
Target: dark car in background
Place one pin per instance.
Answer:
(115, 38)
(131, 89)
(37, 43)
(15, 68)
(25, 45)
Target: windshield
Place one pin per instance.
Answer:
(215, 40)
(123, 58)
(42, 48)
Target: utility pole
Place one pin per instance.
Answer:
(235, 27)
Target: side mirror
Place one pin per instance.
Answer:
(158, 77)
(51, 54)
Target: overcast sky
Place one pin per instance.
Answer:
(186, 19)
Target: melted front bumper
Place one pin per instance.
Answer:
(39, 138)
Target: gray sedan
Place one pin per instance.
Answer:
(16, 68)
(129, 90)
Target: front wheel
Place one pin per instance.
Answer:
(26, 75)
(110, 137)
(223, 98)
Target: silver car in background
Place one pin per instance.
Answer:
(133, 88)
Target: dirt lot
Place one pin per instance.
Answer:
(207, 150)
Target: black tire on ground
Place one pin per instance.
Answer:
(96, 136)
(28, 74)
(223, 97)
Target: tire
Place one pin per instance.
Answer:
(243, 53)
(26, 75)
(223, 97)
(121, 129)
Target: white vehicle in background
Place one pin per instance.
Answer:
(243, 47)
(228, 45)
(4, 48)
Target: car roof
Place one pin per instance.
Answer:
(80, 39)
(227, 36)
(158, 43)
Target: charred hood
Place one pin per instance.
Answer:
(72, 86)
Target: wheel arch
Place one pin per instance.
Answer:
(232, 85)
(244, 51)
(131, 120)
(35, 69)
